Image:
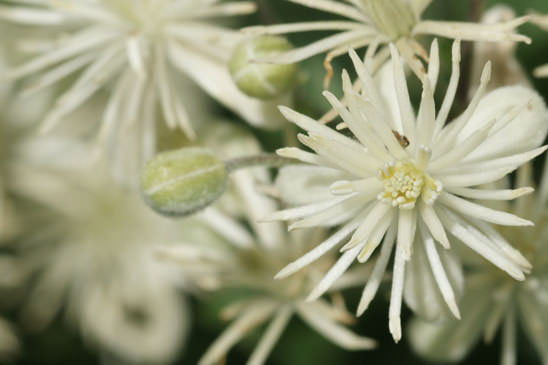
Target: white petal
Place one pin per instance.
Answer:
(377, 274)
(396, 294)
(249, 319)
(320, 249)
(271, 336)
(333, 331)
(336, 271)
(474, 210)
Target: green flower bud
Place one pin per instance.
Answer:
(183, 181)
(262, 80)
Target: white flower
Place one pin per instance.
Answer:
(138, 50)
(400, 175)
(379, 22)
(493, 301)
(541, 21)
(226, 255)
(91, 253)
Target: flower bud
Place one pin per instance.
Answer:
(183, 181)
(262, 80)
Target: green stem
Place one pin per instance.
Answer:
(265, 160)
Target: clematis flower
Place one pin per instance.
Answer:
(93, 255)
(143, 53)
(493, 302)
(379, 22)
(225, 254)
(412, 179)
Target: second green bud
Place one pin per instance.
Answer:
(259, 79)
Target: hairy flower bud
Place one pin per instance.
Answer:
(180, 182)
(262, 80)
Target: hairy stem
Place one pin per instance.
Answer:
(264, 160)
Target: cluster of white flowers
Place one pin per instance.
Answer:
(412, 191)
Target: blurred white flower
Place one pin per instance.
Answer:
(541, 21)
(90, 252)
(400, 174)
(227, 255)
(379, 22)
(139, 51)
(493, 301)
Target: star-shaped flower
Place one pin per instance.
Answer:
(399, 174)
(143, 53)
(88, 246)
(379, 22)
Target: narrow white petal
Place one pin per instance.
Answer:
(407, 226)
(336, 271)
(300, 27)
(320, 249)
(304, 156)
(451, 91)
(439, 273)
(377, 274)
(303, 211)
(404, 103)
(335, 215)
(501, 243)
(479, 243)
(227, 227)
(271, 336)
(434, 64)
(509, 339)
(360, 129)
(314, 127)
(461, 150)
(430, 218)
(472, 178)
(332, 330)
(379, 212)
(249, 319)
(32, 16)
(367, 186)
(375, 239)
(135, 56)
(334, 8)
(396, 294)
(427, 116)
(474, 31)
(356, 161)
(506, 194)
(474, 210)
(83, 41)
(448, 135)
(314, 48)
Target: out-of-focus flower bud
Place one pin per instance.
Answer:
(183, 181)
(262, 80)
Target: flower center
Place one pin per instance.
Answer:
(394, 18)
(404, 182)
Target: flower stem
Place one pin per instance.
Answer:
(265, 160)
